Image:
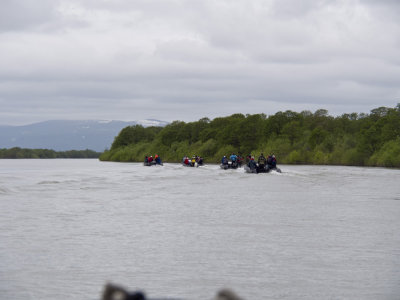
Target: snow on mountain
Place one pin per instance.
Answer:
(152, 122)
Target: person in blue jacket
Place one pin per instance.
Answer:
(233, 159)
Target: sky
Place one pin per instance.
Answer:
(187, 59)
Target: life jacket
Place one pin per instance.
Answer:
(261, 160)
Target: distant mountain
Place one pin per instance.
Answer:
(61, 135)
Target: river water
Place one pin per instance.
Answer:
(313, 232)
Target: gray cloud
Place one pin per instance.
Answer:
(185, 60)
(25, 14)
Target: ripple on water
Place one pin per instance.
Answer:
(4, 190)
(49, 182)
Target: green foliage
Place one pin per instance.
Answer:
(317, 136)
(134, 134)
(208, 149)
(294, 157)
(388, 155)
(306, 138)
(225, 150)
(320, 158)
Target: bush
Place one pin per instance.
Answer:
(208, 149)
(294, 157)
(320, 158)
(387, 156)
(353, 157)
(226, 150)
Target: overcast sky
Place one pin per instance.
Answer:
(184, 60)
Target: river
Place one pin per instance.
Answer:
(312, 232)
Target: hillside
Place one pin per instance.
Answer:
(62, 135)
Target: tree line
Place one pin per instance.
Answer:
(17, 152)
(294, 137)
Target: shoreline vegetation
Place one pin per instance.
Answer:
(16, 152)
(295, 138)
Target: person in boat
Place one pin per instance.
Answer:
(150, 159)
(146, 159)
(261, 161)
(271, 162)
(248, 158)
(193, 161)
(200, 161)
(224, 160)
(252, 164)
(233, 159)
(239, 160)
(186, 161)
(158, 160)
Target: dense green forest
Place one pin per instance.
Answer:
(17, 152)
(295, 138)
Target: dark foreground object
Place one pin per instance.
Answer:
(115, 292)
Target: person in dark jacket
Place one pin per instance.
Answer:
(271, 162)
(261, 161)
(252, 164)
